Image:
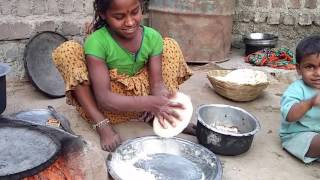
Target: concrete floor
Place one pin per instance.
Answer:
(265, 159)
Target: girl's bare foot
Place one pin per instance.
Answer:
(109, 139)
(190, 129)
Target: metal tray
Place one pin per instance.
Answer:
(25, 150)
(153, 157)
(39, 66)
(39, 117)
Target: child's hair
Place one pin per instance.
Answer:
(101, 6)
(308, 46)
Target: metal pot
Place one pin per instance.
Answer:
(225, 129)
(4, 69)
(258, 41)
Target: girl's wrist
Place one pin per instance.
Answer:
(100, 124)
(160, 91)
(158, 85)
(144, 103)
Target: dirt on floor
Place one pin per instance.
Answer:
(265, 159)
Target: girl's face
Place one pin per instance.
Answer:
(309, 69)
(124, 17)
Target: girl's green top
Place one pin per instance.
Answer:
(101, 45)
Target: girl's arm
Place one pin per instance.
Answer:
(158, 89)
(100, 80)
(298, 110)
(155, 76)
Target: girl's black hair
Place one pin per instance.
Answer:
(100, 7)
(308, 46)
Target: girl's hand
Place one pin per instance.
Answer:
(163, 109)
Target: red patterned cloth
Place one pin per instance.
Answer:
(280, 58)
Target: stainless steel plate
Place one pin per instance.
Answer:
(152, 157)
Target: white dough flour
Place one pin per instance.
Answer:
(244, 76)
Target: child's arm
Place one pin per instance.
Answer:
(298, 110)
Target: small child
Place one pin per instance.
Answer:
(300, 104)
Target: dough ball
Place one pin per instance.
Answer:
(184, 114)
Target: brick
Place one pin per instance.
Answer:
(236, 17)
(79, 6)
(245, 16)
(278, 3)
(294, 4)
(242, 28)
(260, 17)
(40, 7)
(263, 3)
(305, 19)
(237, 41)
(273, 18)
(70, 28)
(23, 8)
(12, 53)
(316, 20)
(66, 6)
(237, 3)
(45, 26)
(88, 7)
(6, 7)
(248, 3)
(53, 7)
(311, 4)
(289, 20)
(17, 30)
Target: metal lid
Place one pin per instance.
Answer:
(40, 117)
(25, 150)
(39, 66)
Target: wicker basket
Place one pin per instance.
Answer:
(233, 91)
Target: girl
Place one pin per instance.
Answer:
(127, 71)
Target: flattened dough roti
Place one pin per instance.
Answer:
(185, 115)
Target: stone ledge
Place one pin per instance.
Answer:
(24, 28)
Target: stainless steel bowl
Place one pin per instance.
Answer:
(152, 157)
(260, 39)
(225, 129)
